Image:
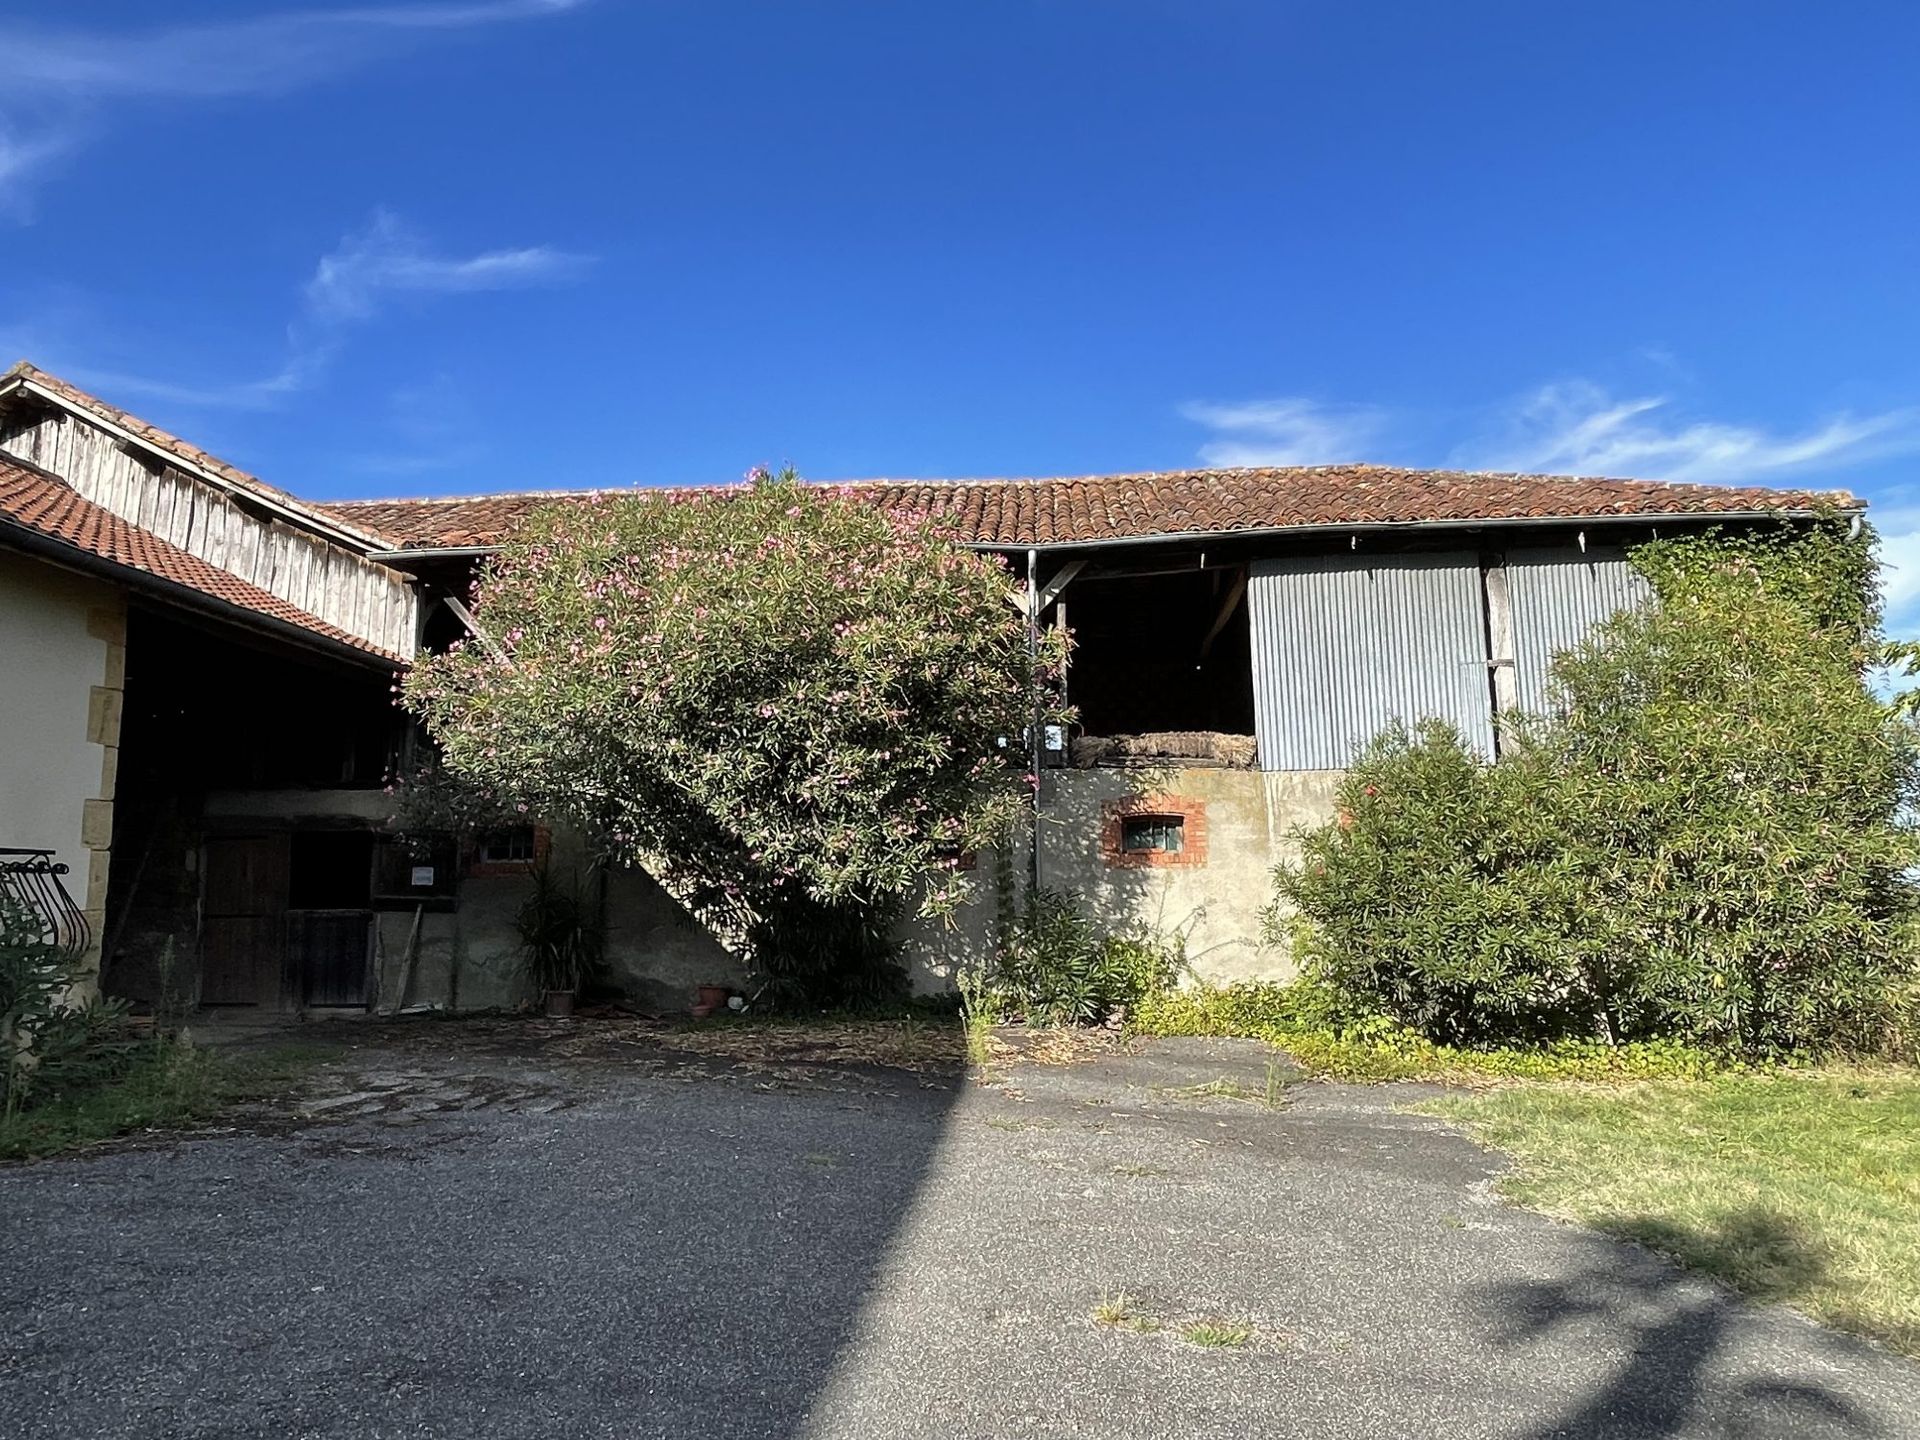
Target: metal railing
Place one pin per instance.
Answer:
(33, 878)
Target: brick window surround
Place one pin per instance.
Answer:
(542, 842)
(1192, 813)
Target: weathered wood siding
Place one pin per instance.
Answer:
(361, 597)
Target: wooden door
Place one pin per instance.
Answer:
(244, 920)
(330, 955)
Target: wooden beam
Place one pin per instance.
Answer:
(1500, 649)
(1062, 578)
(1227, 607)
(474, 628)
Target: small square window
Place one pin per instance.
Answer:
(1165, 834)
(509, 847)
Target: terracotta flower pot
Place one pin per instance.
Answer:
(560, 1004)
(713, 997)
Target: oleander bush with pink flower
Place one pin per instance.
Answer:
(793, 708)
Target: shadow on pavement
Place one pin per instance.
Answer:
(665, 1256)
(1672, 1330)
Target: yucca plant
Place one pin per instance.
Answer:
(560, 937)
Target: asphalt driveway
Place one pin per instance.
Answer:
(623, 1239)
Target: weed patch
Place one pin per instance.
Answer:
(166, 1086)
(1373, 1048)
(1217, 1334)
(1123, 1312)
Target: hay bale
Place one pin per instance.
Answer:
(1188, 747)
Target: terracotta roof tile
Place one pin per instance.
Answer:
(35, 501)
(1019, 513)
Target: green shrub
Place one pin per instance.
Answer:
(1324, 1035)
(1053, 967)
(1443, 897)
(1704, 843)
(50, 1044)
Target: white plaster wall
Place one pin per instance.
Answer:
(49, 664)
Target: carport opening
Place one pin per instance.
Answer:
(201, 887)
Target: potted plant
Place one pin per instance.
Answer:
(559, 942)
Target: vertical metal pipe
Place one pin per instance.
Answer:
(1034, 738)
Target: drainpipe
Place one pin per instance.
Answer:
(1034, 737)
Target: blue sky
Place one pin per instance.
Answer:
(486, 244)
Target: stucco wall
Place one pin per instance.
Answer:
(1215, 903)
(62, 668)
(1247, 816)
(656, 953)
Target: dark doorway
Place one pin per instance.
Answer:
(330, 918)
(288, 919)
(243, 927)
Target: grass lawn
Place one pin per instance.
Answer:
(1797, 1188)
(167, 1087)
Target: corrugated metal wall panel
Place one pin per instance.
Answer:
(1343, 647)
(1557, 597)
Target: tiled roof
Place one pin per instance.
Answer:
(1018, 513)
(189, 454)
(40, 503)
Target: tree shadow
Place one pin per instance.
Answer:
(1673, 1330)
(576, 1237)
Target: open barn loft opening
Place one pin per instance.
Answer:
(1158, 649)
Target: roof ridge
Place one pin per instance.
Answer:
(1198, 472)
(182, 450)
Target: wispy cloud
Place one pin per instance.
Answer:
(1896, 518)
(1578, 428)
(1286, 431)
(22, 156)
(1900, 561)
(61, 82)
(1571, 427)
(382, 261)
(386, 259)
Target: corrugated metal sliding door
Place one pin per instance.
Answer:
(1557, 597)
(1343, 647)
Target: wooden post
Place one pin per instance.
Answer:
(1503, 682)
